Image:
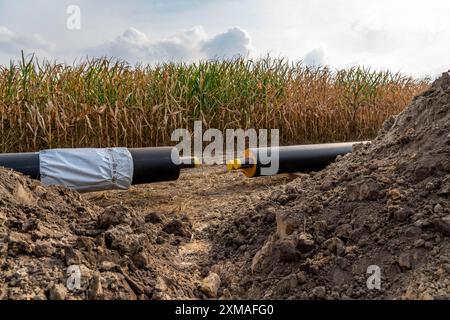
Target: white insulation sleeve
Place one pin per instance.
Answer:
(87, 170)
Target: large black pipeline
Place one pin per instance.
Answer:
(149, 164)
(153, 165)
(26, 163)
(300, 158)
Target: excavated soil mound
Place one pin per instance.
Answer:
(44, 231)
(385, 205)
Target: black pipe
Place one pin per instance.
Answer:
(26, 163)
(301, 158)
(153, 165)
(149, 164)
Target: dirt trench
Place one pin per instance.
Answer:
(194, 218)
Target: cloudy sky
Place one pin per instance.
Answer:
(412, 36)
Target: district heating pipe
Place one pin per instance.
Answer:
(89, 169)
(291, 159)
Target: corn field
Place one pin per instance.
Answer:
(106, 102)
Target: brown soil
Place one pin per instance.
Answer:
(213, 234)
(386, 204)
(152, 242)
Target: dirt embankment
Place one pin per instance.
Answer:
(387, 204)
(43, 231)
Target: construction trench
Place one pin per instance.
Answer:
(310, 232)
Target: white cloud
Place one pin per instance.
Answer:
(188, 45)
(5, 34)
(12, 43)
(370, 39)
(228, 44)
(410, 36)
(315, 58)
(135, 46)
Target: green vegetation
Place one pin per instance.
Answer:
(105, 102)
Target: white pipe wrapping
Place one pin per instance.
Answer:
(87, 169)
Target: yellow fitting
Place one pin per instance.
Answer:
(234, 164)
